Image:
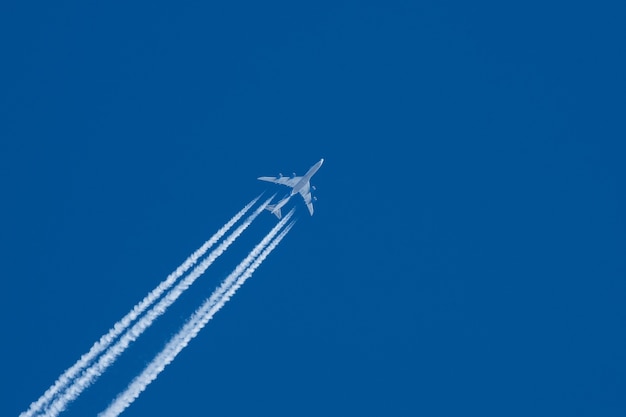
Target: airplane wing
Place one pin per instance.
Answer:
(305, 192)
(288, 181)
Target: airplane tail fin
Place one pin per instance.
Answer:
(272, 209)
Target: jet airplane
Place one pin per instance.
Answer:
(298, 185)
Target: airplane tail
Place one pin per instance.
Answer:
(272, 209)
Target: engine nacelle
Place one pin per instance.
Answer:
(280, 175)
(293, 175)
(313, 187)
(314, 198)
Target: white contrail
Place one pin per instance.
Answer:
(190, 330)
(90, 375)
(136, 311)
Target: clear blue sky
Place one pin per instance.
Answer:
(467, 254)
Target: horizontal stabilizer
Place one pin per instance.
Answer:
(272, 209)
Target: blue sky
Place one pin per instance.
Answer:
(466, 256)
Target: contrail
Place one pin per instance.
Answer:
(190, 330)
(136, 311)
(110, 356)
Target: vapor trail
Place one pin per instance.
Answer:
(92, 373)
(131, 316)
(190, 330)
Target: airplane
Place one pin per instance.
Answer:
(298, 185)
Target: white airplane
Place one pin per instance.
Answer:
(298, 185)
